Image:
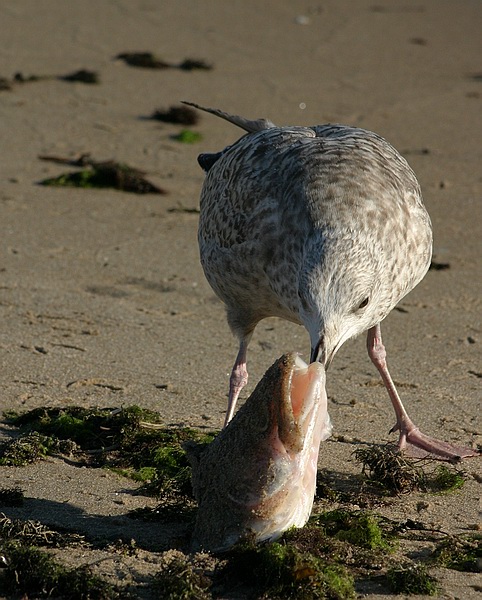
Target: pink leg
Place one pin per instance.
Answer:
(411, 439)
(238, 379)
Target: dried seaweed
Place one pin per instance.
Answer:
(387, 468)
(144, 60)
(148, 60)
(192, 64)
(439, 266)
(179, 115)
(27, 449)
(184, 209)
(81, 76)
(172, 508)
(5, 84)
(34, 533)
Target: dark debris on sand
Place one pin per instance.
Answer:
(179, 115)
(81, 76)
(148, 60)
(387, 469)
(101, 174)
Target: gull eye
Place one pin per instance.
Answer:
(363, 303)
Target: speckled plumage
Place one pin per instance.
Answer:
(324, 226)
(295, 218)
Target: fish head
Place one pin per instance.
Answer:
(258, 477)
(299, 421)
(299, 411)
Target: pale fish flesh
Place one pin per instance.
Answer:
(258, 477)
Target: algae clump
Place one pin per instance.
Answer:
(358, 528)
(130, 441)
(26, 449)
(446, 480)
(281, 571)
(413, 579)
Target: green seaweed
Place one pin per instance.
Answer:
(317, 561)
(160, 454)
(445, 479)
(26, 449)
(82, 179)
(130, 441)
(359, 528)
(280, 570)
(186, 136)
(412, 579)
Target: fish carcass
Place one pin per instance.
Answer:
(258, 477)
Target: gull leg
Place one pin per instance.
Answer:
(238, 379)
(411, 439)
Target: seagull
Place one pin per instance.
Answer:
(323, 226)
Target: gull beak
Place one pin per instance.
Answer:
(320, 354)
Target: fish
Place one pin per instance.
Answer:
(257, 478)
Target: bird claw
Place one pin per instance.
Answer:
(416, 444)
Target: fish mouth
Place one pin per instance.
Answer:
(303, 394)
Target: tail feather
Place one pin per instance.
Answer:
(246, 124)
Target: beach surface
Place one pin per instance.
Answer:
(103, 301)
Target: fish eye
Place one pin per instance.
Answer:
(364, 302)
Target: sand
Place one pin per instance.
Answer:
(102, 298)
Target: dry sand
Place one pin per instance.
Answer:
(102, 297)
